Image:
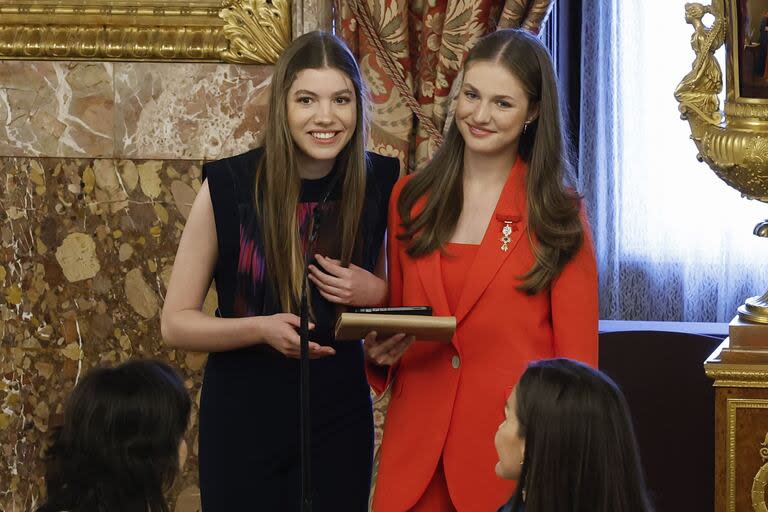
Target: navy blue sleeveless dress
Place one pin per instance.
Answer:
(249, 405)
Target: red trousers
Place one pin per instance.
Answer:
(436, 496)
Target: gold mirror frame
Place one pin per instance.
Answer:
(240, 31)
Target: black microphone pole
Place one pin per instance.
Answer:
(305, 422)
(304, 415)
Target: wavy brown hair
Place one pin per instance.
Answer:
(278, 183)
(555, 231)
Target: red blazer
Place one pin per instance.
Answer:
(448, 399)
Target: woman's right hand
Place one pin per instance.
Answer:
(280, 331)
(387, 351)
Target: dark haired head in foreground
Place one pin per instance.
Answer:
(118, 449)
(568, 440)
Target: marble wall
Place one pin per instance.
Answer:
(99, 163)
(130, 110)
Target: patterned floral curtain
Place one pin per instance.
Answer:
(411, 52)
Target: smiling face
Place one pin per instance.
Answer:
(510, 446)
(492, 109)
(322, 114)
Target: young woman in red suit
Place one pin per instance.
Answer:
(493, 233)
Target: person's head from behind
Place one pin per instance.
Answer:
(119, 446)
(568, 439)
(316, 120)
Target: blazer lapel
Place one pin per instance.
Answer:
(432, 280)
(430, 273)
(490, 256)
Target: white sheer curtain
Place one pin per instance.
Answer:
(673, 241)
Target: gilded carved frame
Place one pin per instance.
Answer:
(242, 31)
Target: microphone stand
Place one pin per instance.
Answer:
(305, 423)
(304, 415)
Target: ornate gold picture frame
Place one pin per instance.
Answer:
(747, 41)
(243, 31)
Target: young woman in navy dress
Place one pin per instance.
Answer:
(249, 230)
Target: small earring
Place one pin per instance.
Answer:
(525, 126)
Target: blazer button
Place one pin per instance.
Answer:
(456, 362)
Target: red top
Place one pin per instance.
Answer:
(455, 262)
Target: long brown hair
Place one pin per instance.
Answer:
(278, 183)
(581, 453)
(554, 228)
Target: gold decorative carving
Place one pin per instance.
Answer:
(697, 92)
(108, 43)
(755, 309)
(740, 376)
(734, 143)
(244, 31)
(761, 480)
(733, 405)
(257, 30)
(746, 110)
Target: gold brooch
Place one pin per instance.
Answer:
(505, 232)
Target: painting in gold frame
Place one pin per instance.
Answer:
(751, 42)
(243, 31)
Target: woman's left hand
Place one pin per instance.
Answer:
(351, 286)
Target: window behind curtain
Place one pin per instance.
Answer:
(673, 241)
